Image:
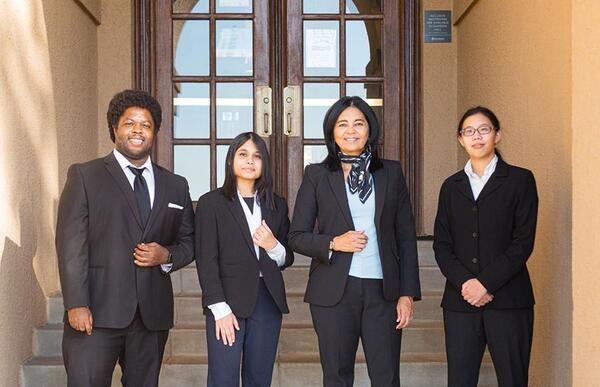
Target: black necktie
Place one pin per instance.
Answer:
(142, 196)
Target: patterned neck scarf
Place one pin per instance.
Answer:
(359, 178)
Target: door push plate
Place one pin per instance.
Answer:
(292, 111)
(264, 111)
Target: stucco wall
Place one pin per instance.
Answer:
(439, 115)
(515, 57)
(48, 106)
(586, 192)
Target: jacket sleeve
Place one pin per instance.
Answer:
(182, 251)
(283, 232)
(302, 237)
(443, 244)
(512, 261)
(207, 253)
(72, 241)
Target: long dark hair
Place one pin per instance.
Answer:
(332, 161)
(264, 184)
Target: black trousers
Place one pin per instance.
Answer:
(255, 346)
(507, 333)
(90, 360)
(361, 313)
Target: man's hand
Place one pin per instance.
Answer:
(150, 254)
(225, 329)
(80, 319)
(473, 291)
(263, 237)
(404, 308)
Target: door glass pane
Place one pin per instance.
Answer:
(234, 6)
(314, 154)
(235, 109)
(363, 48)
(372, 93)
(190, 46)
(321, 48)
(321, 6)
(221, 156)
(363, 6)
(318, 97)
(234, 47)
(193, 163)
(190, 6)
(191, 110)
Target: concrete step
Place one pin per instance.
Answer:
(427, 370)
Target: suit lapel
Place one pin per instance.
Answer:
(160, 196)
(337, 182)
(235, 207)
(495, 180)
(380, 179)
(464, 186)
(119, 176)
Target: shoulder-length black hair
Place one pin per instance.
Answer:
(264, 184)
(332, 161)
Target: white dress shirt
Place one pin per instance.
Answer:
(277, 253)
(478, 182)
(148, 174)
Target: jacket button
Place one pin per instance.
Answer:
(474, 208)
(474, 260)
(474, 235)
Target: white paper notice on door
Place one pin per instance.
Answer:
(234, 3)
(321, 48)
(234, 43)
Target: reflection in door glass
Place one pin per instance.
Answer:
(321, 48)
(191, 110)
(314, 154)
(372, 93)
(234, 47)
(321, 6)
(318, 97)
(190, 46)
(234, 6)
(190, 6)
(235, 109)
(363, 48)
(221, 156)
(363, 7)
(193, 163)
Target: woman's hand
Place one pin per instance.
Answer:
(225, 328)
(404, 308)
(350, 242)
(487, 298)
(263, 237)
(473, 291)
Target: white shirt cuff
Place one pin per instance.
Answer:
(277, 254)
(166, 267)
(219, 310)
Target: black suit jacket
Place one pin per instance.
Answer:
(98, 228)
(322, 199)
(490, 238)
(228, 268)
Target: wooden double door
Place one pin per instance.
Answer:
(222, 67)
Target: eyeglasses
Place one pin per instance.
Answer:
(482, 130)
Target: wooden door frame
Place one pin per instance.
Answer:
(146, 78)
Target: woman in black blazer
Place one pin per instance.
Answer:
(241, 248)
(364, 274)
(484, 234)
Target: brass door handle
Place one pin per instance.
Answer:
(291, 111)
(264, 111)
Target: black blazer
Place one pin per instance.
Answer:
(490, 238)
(98, 228)
(322, 198)
(225, 257)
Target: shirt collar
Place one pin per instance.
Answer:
(124, 163)
(489, 169)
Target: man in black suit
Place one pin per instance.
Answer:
(124, 224)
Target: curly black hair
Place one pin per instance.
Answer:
(132, 98)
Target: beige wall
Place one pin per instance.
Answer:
(586, 192)
(514, 56)
(439, 116)
(48, 106)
